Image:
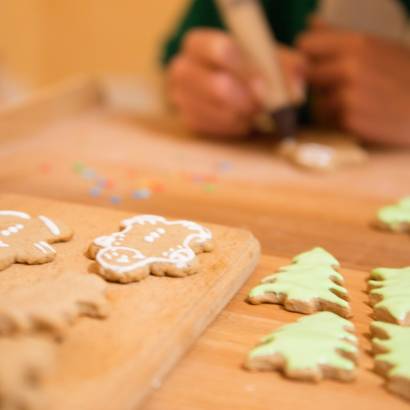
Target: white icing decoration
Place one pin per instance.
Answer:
(5, 232)
(123, 259)
(3, 245)
(181, 258)
(161, 230)
(44, 247)
(52, 227)
(13, 229)
(18, 214)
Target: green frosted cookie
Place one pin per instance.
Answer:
(308, 285)
(390, 295)
(319, 346)
(396, 217)
(391, 346)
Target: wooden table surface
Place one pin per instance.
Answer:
(288, 210)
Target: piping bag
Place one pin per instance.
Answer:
(246, 21)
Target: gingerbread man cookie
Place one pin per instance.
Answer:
(391, 347)
(396, 217)
(390, 295)
(52, 304)
(308, 285)
(24, 364)
(24, 239)
(315, 347)
(150, 244)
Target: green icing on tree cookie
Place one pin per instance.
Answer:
(396, 348)
(302, 348)
(316, 256)
(396, 216)
(305, 284)
(391, 292)
(309, 284)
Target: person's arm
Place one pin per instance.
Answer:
(201, 13)
(360, 82)
(208, 81)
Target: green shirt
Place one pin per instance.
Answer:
(286, 17)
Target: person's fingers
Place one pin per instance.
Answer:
(294, 68)
(323, 44)
(338, 71)
(214, 86)
(200, 116)
(216, 49)
(317, 23)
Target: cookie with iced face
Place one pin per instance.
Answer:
(27, 239)
(149, 244)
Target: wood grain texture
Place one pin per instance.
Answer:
(211, 375)
(287, 209)
(114, 363)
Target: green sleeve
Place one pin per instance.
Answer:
(201, 13)
(287, 19)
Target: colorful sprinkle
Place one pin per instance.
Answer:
(45, 168)
(88, 173)
(115, 199)
(142, 193)
(209, 187)
(106, 183)
(158, 188)
(95, 191)
(224, 166)
(78, 167)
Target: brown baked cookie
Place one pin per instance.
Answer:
(395, 217)
(26, 239)
(24, 363)
(150, 244)
(310, 284)
(322, 345)
(390, 295)
(52, 304)
(391, 347)
(325, 151)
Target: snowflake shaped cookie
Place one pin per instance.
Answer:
(26, 239)
(150, 244)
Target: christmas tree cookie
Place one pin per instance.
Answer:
(315, 347)
(310, 284)
(395, 218)
(391, 346)
(390, 295)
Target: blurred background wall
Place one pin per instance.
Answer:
(44, 41)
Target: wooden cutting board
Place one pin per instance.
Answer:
(115, 363)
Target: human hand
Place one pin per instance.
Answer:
(360, 82)
(214, 88)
